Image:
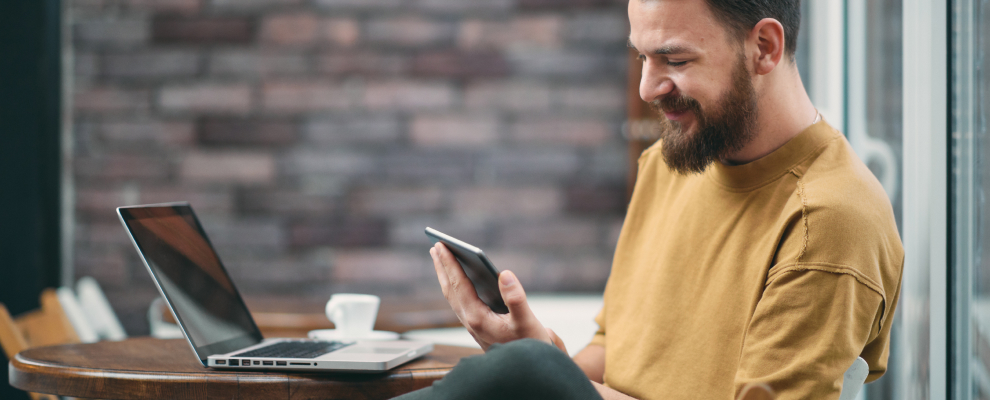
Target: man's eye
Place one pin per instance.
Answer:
(676, 63)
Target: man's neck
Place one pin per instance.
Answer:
(785, 110)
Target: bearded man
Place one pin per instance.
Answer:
(757, 247)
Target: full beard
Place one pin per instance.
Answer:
(725, 129)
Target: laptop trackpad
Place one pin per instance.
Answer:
(372, 350)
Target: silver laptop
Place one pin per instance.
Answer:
(212, 314)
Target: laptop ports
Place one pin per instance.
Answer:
(234, 362)
(245, 362)
(279, 362)
(221, 362)
(256, 362)
(269, 363)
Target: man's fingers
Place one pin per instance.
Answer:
(441, 273)
(515, 299)
(459, 290)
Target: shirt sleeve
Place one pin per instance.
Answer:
(599, 337)
(810, 325)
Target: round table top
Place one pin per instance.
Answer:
(147, 368)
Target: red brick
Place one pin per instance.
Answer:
(574, 272)
(354, 130)
(228, 167)
(168, 64)
(98, 203)
(460, 65)
(550, 233)
(254, 63)
(249, 5)
(430, 166)
(524, 264)
(303, 96)
(206, 98)
(104, 100)
(523, 31)
(518, 96)
(533, 165)
(166, 6)
(565, 4)
(409, 31)
(201, 30)
(596, 200)
(103, 234)
(336, 164)
(454, 131)
(613, 230)
(122, 32)
(395, 201)
(339, 233)
(108, 266)
(85, 66)
(598, 27)
(380, 266)
(562, 131)
(144, 135)
(204, 200)
(609, 98)
(363, 63)
(290, 29)
(271, 273)
(224, 131)
(285, 203)
(487, 7)
(121, 167)
(408, 95)
(498, 202)
(407, 230)
(343, 32)
(254, 234)
(360, 5)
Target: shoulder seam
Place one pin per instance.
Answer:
(804, 214)
(835, 269)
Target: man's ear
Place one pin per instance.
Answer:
(768, 35)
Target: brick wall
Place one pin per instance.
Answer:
(317, 138)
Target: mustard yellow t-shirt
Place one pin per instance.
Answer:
(781, 271)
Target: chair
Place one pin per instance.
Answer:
(44, 327)
(852, 383)
(756, 391)
(98, 311)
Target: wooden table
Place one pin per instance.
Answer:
(146, 368)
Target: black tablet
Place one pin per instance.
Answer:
(477, 267)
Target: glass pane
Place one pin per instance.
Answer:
(873, 110)
(970, 327)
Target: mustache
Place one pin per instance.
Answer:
(675, 104)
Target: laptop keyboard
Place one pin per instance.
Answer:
(294, 349)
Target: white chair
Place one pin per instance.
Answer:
(96, 307)
(854, 379)
(77, 317)
(156, 321)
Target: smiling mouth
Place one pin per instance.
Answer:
(675, 115)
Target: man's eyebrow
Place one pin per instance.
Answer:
(671, 49)
(664, 50)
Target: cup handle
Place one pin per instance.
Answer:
(333, 312)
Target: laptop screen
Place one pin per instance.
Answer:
(188, 271)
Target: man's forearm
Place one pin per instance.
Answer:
(591, 360)
(610, 394)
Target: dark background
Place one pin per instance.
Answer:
(29, 156)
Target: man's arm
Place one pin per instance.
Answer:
(591, 359)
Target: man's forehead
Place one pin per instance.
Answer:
(671, 26)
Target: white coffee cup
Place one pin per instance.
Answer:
(353, 315)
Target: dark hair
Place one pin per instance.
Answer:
(740, 16)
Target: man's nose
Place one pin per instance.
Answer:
(655, 82)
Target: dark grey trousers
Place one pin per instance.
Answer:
(523, 369)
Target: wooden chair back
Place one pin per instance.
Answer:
(43, 327)
(756, 391)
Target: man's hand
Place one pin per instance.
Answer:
(486, 326)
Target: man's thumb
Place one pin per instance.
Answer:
(513, 294)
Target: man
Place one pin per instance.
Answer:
(757, 247)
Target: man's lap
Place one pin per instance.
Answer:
(523, 369)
